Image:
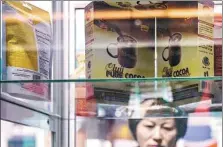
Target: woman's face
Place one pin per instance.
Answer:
(156, 132)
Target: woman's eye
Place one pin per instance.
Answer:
(168, 128)
(149, 126)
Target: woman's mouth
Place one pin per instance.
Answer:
(155, 146)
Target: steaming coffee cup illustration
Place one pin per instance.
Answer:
(126, 51)
(174, 48)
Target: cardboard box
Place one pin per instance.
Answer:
(218, 46)
(117, 47)
(187, 92)
(185, 45)
(84, 90)
(110, 96)
(218, 57)
(86, 107)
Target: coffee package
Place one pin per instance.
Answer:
(185, 44)
(185, 48)
(135, 5)
(26, 50)
(117, 47)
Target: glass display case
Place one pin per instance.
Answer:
(111, 73)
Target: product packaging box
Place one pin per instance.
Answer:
(218, 46)
(117, 46)
(85, 107)
(218, 57)
(26, 50)
(185, 45)
(185, 48)
(111, 96)
(190, 92)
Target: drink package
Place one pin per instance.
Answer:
(26, 50)
(185, 43)
(185, 48)
(117, 47)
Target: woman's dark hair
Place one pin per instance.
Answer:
(181, 124)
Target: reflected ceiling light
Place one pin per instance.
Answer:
(171, 13)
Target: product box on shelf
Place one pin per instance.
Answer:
(185, 48)
(89, 100)
(117, 47)
(86, 107)
(190, 92)
(111, 96)
(218, 45)
(83, 95)
(218, 56)
(185, 44)
(26, 50)
(195, 92)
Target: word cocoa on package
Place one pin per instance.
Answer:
(118, 45)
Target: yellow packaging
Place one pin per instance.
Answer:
(117, 48)
(185, 45)
(185, 48)
(26, 53)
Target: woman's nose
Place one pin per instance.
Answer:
(157, 136)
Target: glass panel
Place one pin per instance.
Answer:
(180, 132)
(131, 60)
(107, 20)
(132, 39)
(146, 99)
(24, 27)
(20, 114)
(16, 135)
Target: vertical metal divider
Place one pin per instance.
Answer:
(65, 58)
(62, 91)
(57, 8)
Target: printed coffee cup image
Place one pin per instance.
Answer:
(150, 5)
(174, 50)
(126, 51)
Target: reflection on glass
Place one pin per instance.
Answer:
(182, 29)
(161, 113)
(16, 135)
(165, 132)
(29, 98)
(111, 23)
(133, 99)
